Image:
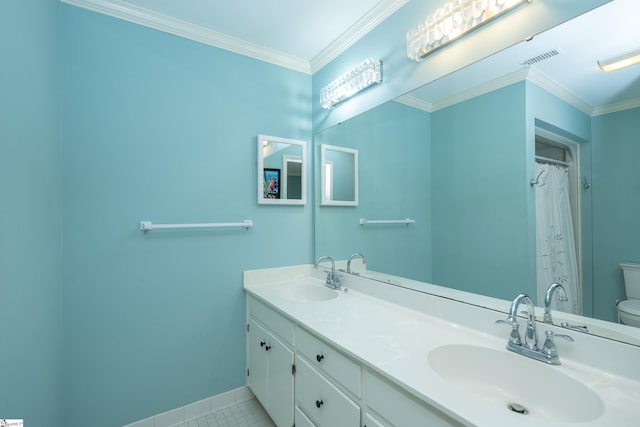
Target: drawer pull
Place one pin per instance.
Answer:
(319, 403)
(319, 357)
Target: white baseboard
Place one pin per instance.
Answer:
(196, 409)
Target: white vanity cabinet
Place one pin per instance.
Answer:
(270, 361)
(326, 388)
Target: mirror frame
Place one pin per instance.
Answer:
(323, 199)
(303, 183)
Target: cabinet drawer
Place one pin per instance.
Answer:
(400, 408)
(326, 358)
(302, 420)
(276, 322)
(371, 421)
(321, 400)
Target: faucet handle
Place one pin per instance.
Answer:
(514, 336)
(549, 347)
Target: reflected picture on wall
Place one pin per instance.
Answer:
(271, 188)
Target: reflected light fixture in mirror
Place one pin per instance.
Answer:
(453, 20)
(368, 73)
(620, 62)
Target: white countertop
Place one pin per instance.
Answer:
(395, 341)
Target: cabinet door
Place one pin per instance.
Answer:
(280, 385)
(257, 362)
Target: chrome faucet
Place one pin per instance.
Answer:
(530, 338)
(353, 256)
(548, 353)
(333, 279)
(548, 295)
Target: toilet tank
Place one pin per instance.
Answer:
(631, 273)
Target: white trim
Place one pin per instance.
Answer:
(148, 18)
(364, 25)
(415, 102)
(618, 106)
(559, 91)
(482, 89)
(197, 409)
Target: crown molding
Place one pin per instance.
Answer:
(364, 25)
(559, 91)
(482, 89)
(618, 106)
(415, 102)
(138, 15)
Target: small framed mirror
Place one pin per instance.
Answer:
(338, 176)
(282, 171)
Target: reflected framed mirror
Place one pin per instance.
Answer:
(282, 171)
(338, 176)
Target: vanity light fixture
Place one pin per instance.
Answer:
(619, 62)
(453, 20)
(368, 73)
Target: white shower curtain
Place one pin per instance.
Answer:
(556, 250)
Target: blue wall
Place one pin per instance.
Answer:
(159, 128)
(393, 185)
(616, 186)
(479, 194)
(30, 215)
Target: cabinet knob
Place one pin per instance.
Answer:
(319, 357)
(262, 343)
(268, 348)
(319, 403)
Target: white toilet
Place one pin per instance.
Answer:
(629, 309)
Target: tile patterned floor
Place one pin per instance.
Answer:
(246, 414)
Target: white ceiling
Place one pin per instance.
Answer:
(305, 35)
(300, 34)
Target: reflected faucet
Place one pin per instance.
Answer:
(353, 256)
(548, 295)
(333, 279)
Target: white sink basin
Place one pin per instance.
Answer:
(516, 383)
(306, 293)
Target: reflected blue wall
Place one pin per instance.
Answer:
(616, 203)
(479, 195)
(393, 185)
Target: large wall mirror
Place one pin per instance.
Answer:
(282, 171)
(469, 155)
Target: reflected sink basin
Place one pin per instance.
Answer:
(516, 383)
(306, 293)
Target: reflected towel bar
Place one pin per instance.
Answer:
(387, 221)
(148, 225)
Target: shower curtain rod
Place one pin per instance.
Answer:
(552, 161)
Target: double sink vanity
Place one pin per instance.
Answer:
(374, 354)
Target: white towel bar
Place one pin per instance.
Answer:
(387, 221)
(148, 225)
